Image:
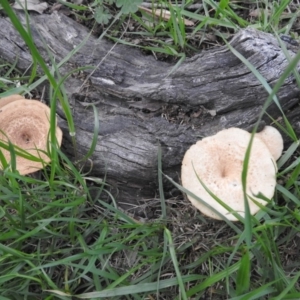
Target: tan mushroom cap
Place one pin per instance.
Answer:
(26, 124)
(9, 99)
(218, 161)
(273, 140)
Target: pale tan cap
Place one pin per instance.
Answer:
(26, 123)
(9, 99)
(218, 161)
(273, 140)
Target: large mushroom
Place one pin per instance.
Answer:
(218, 162)
(26, 124)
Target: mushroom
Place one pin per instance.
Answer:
(9, 99)
(273, 140)
(218, 161)
(26, 124)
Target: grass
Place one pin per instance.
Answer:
(60, 239)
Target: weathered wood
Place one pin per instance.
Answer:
(143, 105)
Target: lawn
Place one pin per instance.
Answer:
(62, 239)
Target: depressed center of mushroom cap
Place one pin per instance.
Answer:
(26, 132)
(218, 161)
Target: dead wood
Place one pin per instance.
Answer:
(142, 104)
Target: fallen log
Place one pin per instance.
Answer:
(143, 105)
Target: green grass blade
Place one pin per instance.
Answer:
(244, 273)
(259, 293)
(133, 289)
(289, 287)
(175, 263)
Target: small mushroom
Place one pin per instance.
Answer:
(218, 161)
(273, 140)
(26, 124)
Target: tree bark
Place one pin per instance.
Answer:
(143, 103)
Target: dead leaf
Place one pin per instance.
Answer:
(34, 5)
(164, 14)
